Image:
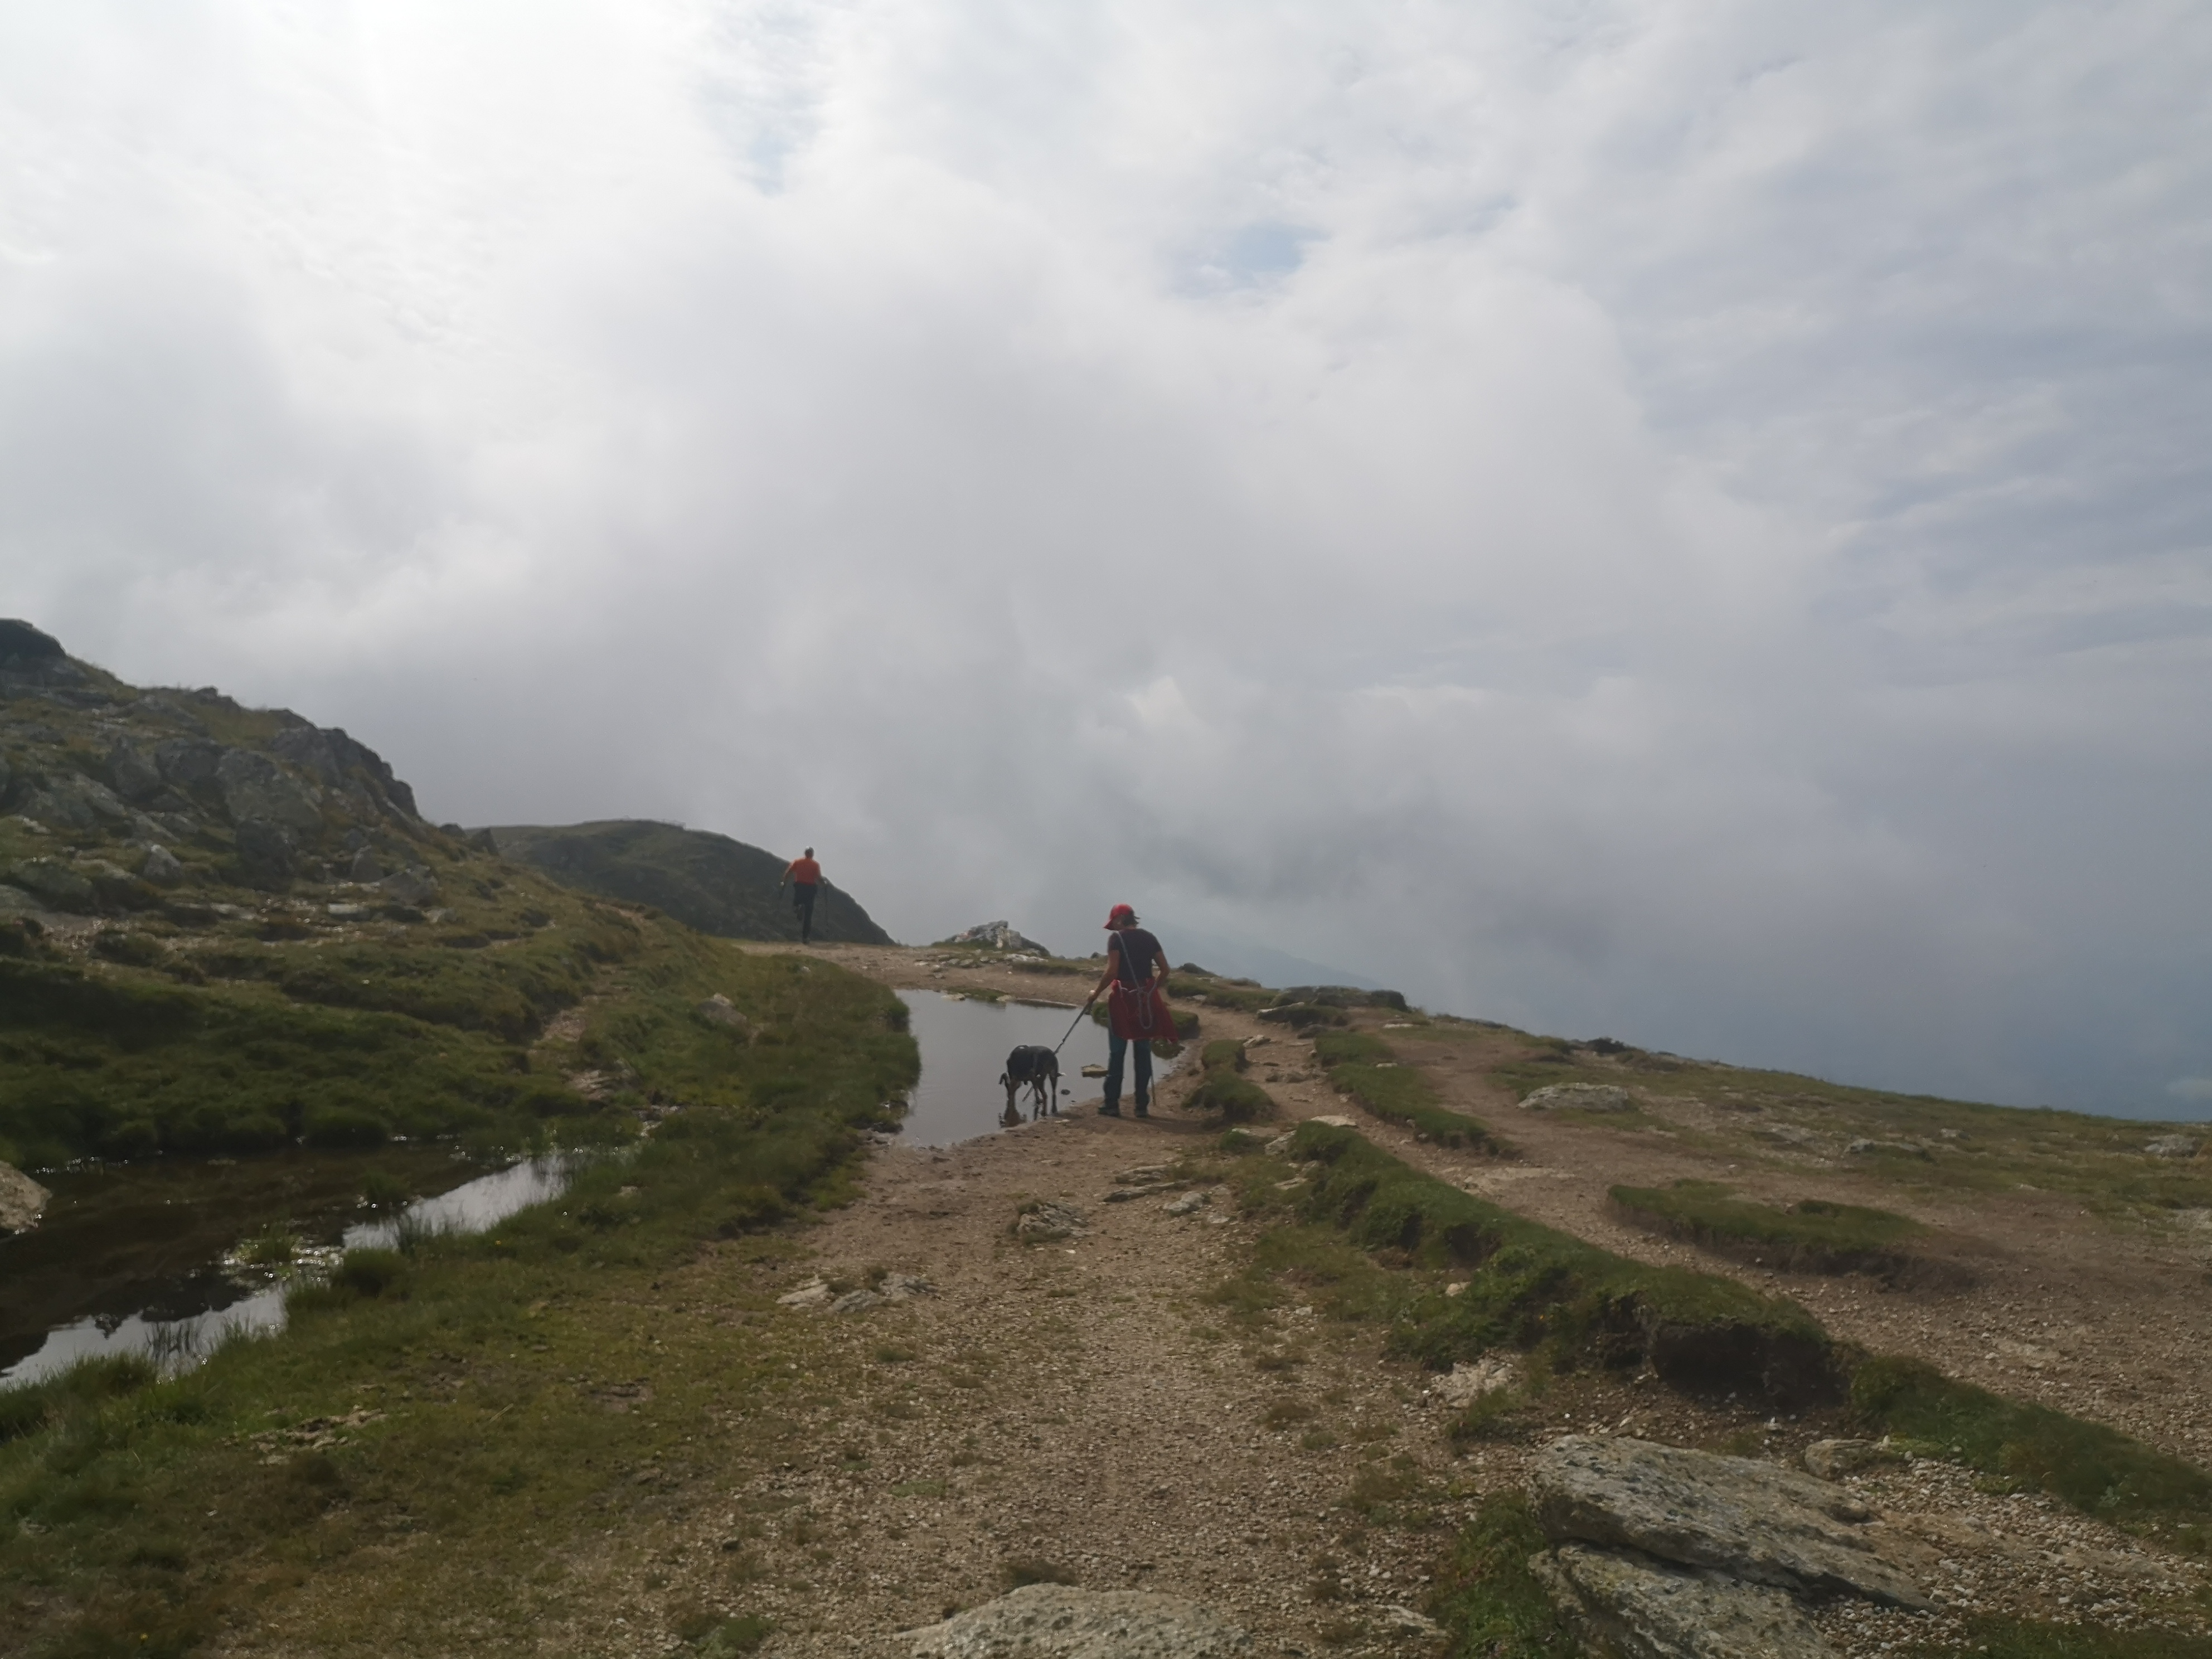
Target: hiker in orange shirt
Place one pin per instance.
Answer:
(805, 876)
(1137, 1011)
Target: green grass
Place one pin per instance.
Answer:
(2098, 1471)
(145, 1516)
(1811, 1236)
(1369, 1070)
(1487, 1597)
(1223, 1091)
(1531, 1287)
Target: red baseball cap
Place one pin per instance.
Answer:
(1120, 913)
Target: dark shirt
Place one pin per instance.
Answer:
(1135, 949)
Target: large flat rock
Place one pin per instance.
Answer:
(1058, 1621)
(1640, 1609)
(1754, 1520)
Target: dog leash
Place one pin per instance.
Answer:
(1072, 1023)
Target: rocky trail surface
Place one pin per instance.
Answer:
(1043, 1387)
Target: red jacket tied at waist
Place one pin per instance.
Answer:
(1139, 1013)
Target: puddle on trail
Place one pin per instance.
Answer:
(130, 1258)
(964, 1048)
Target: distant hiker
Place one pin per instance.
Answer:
(805, 876)
(1137, 1008)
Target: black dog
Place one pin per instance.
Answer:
(1037, 1070)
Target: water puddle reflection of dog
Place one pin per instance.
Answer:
(964, 1045)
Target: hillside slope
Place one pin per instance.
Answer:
(706, 881)
(225, 929)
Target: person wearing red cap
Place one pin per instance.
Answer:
(1137, 1010)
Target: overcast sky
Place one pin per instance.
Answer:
(1680, 519)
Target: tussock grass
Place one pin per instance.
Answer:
(1531, 1287)
(1811, 1236)
(1368, 1070)
(2098, 1471)
(1223, 1091)
(1484, 1594)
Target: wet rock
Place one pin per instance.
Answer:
(160, 866)
(1751, 1520)
(1580, 1097)
(265, 852)
(1059, 1621)
(2172, 1146)
(255, 786)
(413, 885)
(53, 884)
(22, 1200)
(1832, 1460)
(1466, 1383)
(1640, 1609)
(1042, 1223)
(1891, 1148)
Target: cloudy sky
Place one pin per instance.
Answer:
(1683, 519)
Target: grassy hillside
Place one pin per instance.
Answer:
(705, 881)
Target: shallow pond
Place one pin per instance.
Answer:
(140, 1258)
(964, 1050)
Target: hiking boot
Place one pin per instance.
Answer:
(1109, 1111)
(1144, 1111)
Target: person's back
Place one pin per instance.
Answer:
(1136, 1012)
(805, 876)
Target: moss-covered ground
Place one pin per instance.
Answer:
(1809, 1236)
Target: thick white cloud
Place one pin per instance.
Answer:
(1688, 521)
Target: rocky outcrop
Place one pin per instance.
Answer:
(53, 883)
(998, 936)
(1059, 1621)
(1753, 1520)
(413, 885)
(161, 867)
(2172, 1146)
(1632, 1605)
(1580, 1097)
(22, 1200)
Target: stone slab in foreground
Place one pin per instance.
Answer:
(1058, 1621)
(1749, 1520)
(1640, 1609)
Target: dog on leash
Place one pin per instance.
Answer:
(1036, 1070)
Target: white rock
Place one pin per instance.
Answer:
(812, 1294)
(1580, 1097)
(2172, 1146)
(1468, 1383)
(22, 1200)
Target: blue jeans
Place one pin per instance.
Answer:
(1116, 1046)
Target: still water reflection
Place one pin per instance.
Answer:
(964, 1048)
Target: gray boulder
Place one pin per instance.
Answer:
(1044, 1222)
(255, 786)
(1058, 1621)
(1628, 1604)
(1751, 1520)
(718, 1009)
(413, 885)
(1580, 1097)
(73, 802)
(265, 852)
(367, 866)
(53, 884)
(184, 762)
(161, 867)
(998, 936)
(2172, 1146)
(134, 777)
(22, 1200)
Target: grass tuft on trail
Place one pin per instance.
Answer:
(1368, 1070)
(2098, 1470)
(1531, 1287)
(1485, 1596)
(1811, 1236)
(1223, 1091)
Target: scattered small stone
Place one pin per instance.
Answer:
(1787, 1134)
(1580, 1097)
(1059, 1621)
(2172, 1146)
(1045, 1223)
(1832, 1460)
